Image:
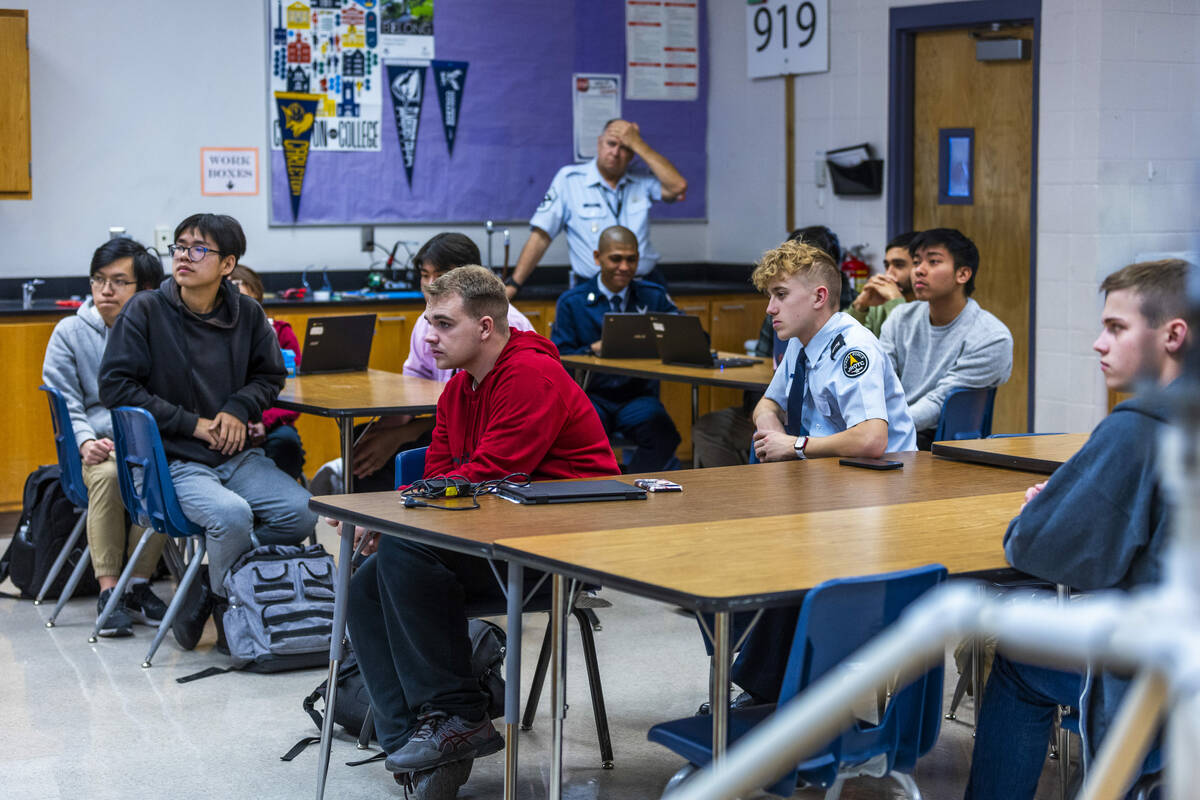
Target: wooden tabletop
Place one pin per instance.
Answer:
(742, 563)
(362, 394)
(753, 377)
(709, 495)
(1032, 453)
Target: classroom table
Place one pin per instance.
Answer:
(759, 503)
(346, 395)
(1042, 454)
(753, 378)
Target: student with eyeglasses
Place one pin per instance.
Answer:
(120, 268)
(202, 358)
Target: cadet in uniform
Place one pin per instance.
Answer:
(587, 198)
(629, 406)
(834, 394)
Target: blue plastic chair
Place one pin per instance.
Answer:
(836, 618)
(410, 467)
(149, 494)
(966, 414)
(70, 468)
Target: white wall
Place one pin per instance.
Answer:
(124, 95)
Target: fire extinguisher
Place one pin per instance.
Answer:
(854, 268)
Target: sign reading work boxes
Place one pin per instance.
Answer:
(786, 37)
(228, 171)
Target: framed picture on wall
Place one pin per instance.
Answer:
(956, 166)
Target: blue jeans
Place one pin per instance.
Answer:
(643, 421)
(1014, 727)
(245, 494)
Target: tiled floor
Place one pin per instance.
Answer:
(85, 721)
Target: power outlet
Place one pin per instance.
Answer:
(368, 238)
(162, 238)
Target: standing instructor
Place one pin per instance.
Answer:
(587, 198)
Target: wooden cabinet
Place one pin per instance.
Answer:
(393, 333)
(540, 314)
(25, 426)
(16, 161)
(734, 319)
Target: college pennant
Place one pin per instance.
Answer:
(297, 113)
(407, 84)
(450, 77)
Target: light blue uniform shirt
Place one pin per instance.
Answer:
(582, 202)
(850, 380)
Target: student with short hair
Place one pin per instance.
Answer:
(943, 340)
(510, 408)
(376, 445)
(1101, 521)
(202, 359)
(276, 432)
(888, 289)
(120, 268)
(628, 406)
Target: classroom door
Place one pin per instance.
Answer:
(995, 99)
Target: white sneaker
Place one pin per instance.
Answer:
(328, 479)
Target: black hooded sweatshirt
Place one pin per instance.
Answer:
(180, 366)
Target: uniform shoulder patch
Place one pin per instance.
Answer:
(838, 343)
(855, 363)
(548, 200)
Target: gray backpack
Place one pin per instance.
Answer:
(280, 613)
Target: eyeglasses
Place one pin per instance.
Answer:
(99, 281)
(195, 253)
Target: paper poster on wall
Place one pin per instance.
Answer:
(333, 48)
(595, 99)
(406, 29)
(407, 84)
(228, 171)
(298, 114)
(450, 77)
(662, 49)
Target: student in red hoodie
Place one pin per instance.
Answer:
(511, 408)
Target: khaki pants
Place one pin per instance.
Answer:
(108, 538)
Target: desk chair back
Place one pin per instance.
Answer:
(139, 448)
(410, 466)
(836, 618)
(966, 414)
(70, 477)
(70, 465)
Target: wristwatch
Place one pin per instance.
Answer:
(510, 282)
(801, 443)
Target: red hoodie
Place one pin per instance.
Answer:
(287, 341)
(527, 415)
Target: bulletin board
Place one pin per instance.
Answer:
(515, 121)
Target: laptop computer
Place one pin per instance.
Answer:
(569, 492)
(683, 342)
(627, 335)
(337, 344)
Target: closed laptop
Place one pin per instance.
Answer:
(337, 344)
(627, 335)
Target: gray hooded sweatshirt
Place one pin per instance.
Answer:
(72, 365)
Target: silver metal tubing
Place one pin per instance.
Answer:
(68, 591)
(57, 566)
(336, 648)
(118, 592)
(346, 429)
(558, 681)
(173, 609)
(512, 678)
(719, 691)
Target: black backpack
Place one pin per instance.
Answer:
(47, 518)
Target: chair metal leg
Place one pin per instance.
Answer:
(835, 791)
(63, 554)
(960, 688)
(368, 730)
(597, 690)
(592, 619)
(188, 577)
(1064, 761)
(68, 591)
(118, 592)
(539, 682)
(907, 784)
(977, 675)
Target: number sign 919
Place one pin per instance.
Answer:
(787, 37)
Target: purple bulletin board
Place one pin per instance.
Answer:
(515, 123)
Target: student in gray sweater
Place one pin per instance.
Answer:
(944, 340)
(120, 268)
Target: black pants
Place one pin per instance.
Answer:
(384, 478)
(762, 662)
(408, 626)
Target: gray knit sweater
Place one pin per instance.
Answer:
(72, 365)
(973, 351)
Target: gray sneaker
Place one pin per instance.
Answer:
(118, 623)
(443, 738)
(439, 783)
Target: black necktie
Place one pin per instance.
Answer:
(795, 405)
(615, 301)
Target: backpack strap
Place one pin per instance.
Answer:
(206, 673)
(299, 747)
